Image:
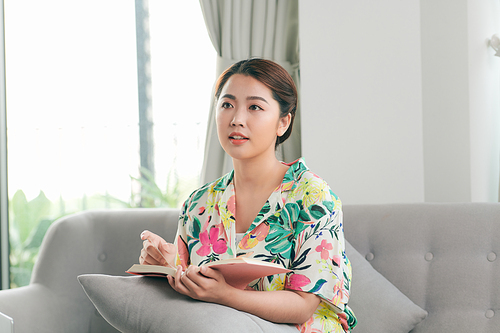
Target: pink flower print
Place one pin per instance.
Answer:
(343, 321)
(255, 236)
(201, 210)
(210, 242)
(336, 260)
(231, 205)
(297, 281)
(222, 232)
(182, 253)
(324, 247)
(339, 292)
(207, 222)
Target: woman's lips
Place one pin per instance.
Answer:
(237, 138)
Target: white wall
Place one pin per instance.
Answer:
(361, 98)
(484, 88)
(461, 100)
(445, 100)
(400, 99)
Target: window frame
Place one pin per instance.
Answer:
(4, 200)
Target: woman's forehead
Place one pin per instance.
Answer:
(240, 85)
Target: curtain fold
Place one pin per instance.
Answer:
(241, 29)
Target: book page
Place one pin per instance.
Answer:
(151, 270)
(237, 272)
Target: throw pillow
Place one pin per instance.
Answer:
(147, 304)
(377, 304)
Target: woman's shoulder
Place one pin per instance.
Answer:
(219, 184)
(304, 177)
(311, 188)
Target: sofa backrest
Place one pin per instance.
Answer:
(444, 257)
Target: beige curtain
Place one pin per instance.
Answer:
(240, 29)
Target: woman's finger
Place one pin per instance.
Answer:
(188, 278)
(153, 238)
(148, 260)
(145, 234)
(155, 255)
(167, 248)
(178, 282)
(211, 273)
(162, 252)
(151, 257)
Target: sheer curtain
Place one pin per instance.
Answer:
(240, 29)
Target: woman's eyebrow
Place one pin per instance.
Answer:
(249, 98)
(229, 96)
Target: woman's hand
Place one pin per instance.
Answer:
(156, 251)
(201, 283)
(207, 284)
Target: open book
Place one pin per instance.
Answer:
(238, 272)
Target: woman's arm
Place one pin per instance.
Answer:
(283, 306)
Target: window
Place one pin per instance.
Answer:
(72, 111)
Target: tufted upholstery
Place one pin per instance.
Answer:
(444, 257)
(107, 242)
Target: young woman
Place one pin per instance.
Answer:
(264, 209)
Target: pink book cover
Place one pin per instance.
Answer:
(237, 272)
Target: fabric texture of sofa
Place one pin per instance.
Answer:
(416, 267)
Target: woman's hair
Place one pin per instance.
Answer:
(273, 76)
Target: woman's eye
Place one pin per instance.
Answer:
(226, 105)
(255, 108)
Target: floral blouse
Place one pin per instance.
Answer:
(300, 227)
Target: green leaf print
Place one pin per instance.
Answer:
(289, 215)
(300, 260)
(288, 177)
(195, 228)
(199, 194)
(263, 211)
(191, 243)
(303, 216)
(272, 219)
(317, 286)
(298, 227)
(329, 205)
(317, 211)
(315, 229)
(266, 208)
(278, 241)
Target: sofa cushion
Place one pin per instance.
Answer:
(147, 304)
(378, 305)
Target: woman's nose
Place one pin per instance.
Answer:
(239, 118)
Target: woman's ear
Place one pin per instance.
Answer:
(284, 123)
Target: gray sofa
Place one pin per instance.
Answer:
(441, 258)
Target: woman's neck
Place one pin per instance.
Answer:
(261, 173)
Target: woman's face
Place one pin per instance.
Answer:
(248, 118)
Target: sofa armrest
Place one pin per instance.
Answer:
(99, 241)
(35, 308)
